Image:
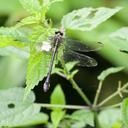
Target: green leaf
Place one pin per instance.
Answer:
(56, 117)
(50, 2)
(109, 117)
(8, 7)
(82, 118)
(86, 19)
(109, 71)
(37, 69)
(14, 112)
(9, 68)
(57, 114)
(12, 51)
(20, 34)
(11, 47)
(32, 6)
(58, 96)
(119, 38)
(125, 111)
(30, 20)
(121, 34)
(70, 65)
(9, 41)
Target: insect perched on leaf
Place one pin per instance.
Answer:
(71, 52)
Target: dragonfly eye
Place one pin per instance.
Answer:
(61, 33)
(57, 32)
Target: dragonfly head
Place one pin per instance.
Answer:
(58, 36)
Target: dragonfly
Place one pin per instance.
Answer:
(72, 52)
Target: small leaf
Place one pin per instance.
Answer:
(125, 111)
(82, 118)
(109, 117)
(56, 117)
(86, 19)
(37, 69)
(58, 96)
(32, 6)
(14, 112)
(109, 71)
(70, 65)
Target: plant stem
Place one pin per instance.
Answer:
(113, 95)
(98, 93)
(111, 106)
(80, 92)
(75, 86)
(62, 106)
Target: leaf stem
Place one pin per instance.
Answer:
(62, 106)
(97, 93)
(113, 95)
(111, 106)
(75, 86)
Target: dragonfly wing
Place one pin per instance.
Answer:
(80, 46)
(82, 60)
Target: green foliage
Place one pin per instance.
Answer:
(91, 18)
(9, 41)
(37, 69)
(109, 71)
(57, 97)
(109, 118)
(9, 68)
(15, 112)
(20, 34)
(125, 112)
(120, 38)
(56, 117)
(81, 118)
(32, 6)
(22, 39)
(9, 8)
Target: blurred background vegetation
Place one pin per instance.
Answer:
(13, 69)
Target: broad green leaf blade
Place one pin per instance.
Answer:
(11, 47)
(86, 19)
(56, 117)
(109, 71)
(37, 69)
(20, 34)
(109, 117)
(32, 6)
(14, 112)
(9, 41)
(12, 51)
(58, 96)
(9, 68)
(125, 111)
(120, 39)
(82, 118)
